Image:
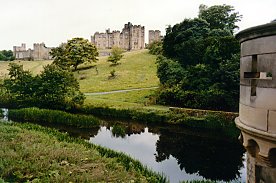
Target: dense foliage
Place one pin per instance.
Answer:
(54, 88)
(200, 63)
(6, 55)
(116, 55)
(47, 116)
(73, 53)
(155, 48)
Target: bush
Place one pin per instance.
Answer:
(46, 116)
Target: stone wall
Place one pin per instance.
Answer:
(154, 35)
(132, 37)
(39, 52)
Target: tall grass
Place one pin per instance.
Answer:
(209, 121)
(125, 160)
(46, 116)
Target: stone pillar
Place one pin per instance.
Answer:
(257, 111)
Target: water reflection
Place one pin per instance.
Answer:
(209, 156)
(178, 153)
(4, 115)
(181, 154)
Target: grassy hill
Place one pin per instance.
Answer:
(34, 66)
(137, 70)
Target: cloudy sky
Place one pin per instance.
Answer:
(56, 21)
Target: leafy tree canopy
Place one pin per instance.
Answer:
(75, 52)
(54, 88)
(220, 17)
(155, 48)
(116, 55)
(6, 55)
(201, 64)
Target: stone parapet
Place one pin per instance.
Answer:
(257, 110)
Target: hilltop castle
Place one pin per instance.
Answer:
(132, 37)
(40, 52)
(155, 35)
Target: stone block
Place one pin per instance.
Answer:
(264, 97)
(245, 66)
(262, 45)
(253, 117)
(272, 122)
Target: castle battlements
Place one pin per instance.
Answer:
(132, 37)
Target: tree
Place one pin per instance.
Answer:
(155, 48)
(6, 55)
(58, 89)
(116, 55)
(54, 88)
(220, 17)
(75, 52)
(202, 65)
(185, 41)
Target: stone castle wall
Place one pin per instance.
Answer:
(39, 52)
(132, 37)
(154, 35)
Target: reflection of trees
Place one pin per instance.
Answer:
(84, 133)
(211, 158)
(129, 127)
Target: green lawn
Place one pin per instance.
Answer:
(34, 66)
(36, 154)
(133, 100)
(137, 70)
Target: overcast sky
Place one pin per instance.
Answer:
(56, 21)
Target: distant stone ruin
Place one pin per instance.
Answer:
(39, 52)
(132, 37)
(155, 35)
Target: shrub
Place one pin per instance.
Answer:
(46, 116)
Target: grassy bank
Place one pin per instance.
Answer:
(137, 70)
(34, 153)
(46, 116)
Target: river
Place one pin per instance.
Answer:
(176, 152)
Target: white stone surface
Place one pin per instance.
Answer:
(259, 46)
(265, 97)
(272, 122)
(253, 117)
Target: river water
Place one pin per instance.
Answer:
(178, 153)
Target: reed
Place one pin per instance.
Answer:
(46, 116)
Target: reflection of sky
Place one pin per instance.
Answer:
(142, 147)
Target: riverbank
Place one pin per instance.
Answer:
(218, 121)
(34, 153)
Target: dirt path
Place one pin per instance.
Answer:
(120, 91)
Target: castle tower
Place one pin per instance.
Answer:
(154, 35)
(132, 37)
(257, 110)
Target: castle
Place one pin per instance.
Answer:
(132, 37)
(155, 35)
(40, 52)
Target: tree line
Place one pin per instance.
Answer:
(198, 62)
(6, 55)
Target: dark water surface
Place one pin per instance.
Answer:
(178, 153)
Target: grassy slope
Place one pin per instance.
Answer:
(137, 70)
(28, 154)
(33, 66)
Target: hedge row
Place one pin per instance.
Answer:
(46, 116)
(216, 121)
